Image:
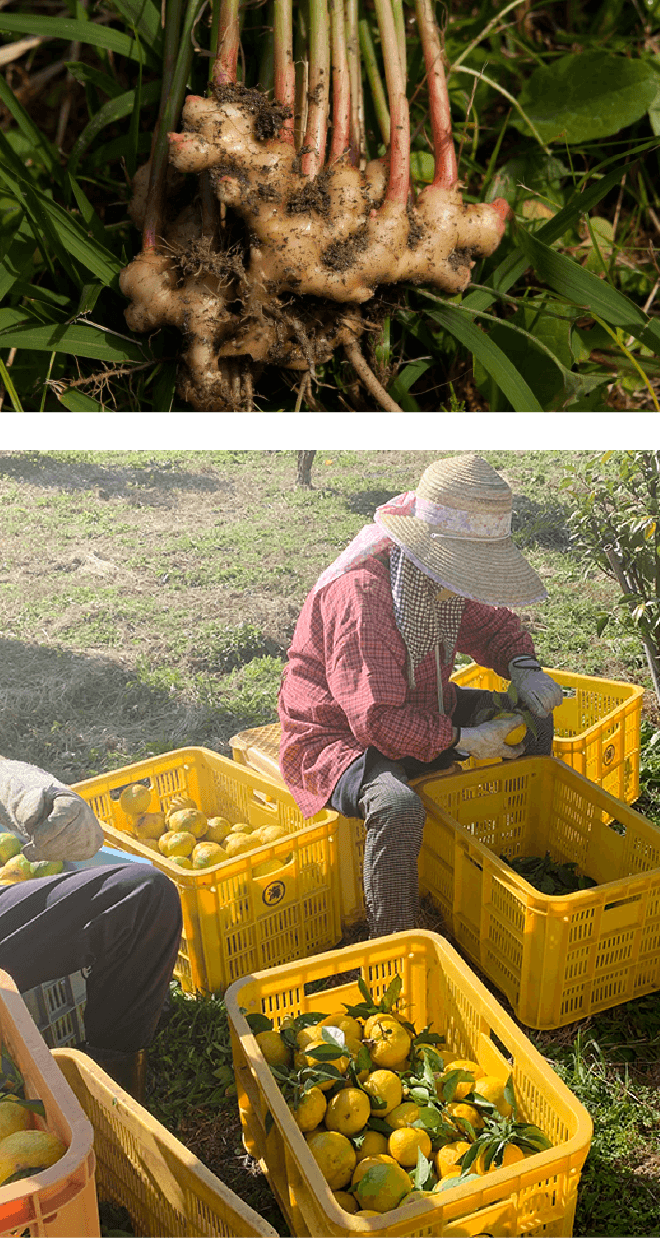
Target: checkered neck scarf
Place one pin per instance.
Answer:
(424, 623)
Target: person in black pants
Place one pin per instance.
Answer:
(121, 923)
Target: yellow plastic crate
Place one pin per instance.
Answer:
(60, 1201)
(141, 1166)
(557, 959)
(233, 921)
(536, 1196)
(597, 727)
(259, 749)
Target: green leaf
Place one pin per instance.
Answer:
(585, 96)
(40, 145)
(586, 290)
(400, 386)
(10, 388)
(144, 16)
(71, 31)
(80, 340)
(109, 114)
(422, 165)
(453, 318)
(256, 1022)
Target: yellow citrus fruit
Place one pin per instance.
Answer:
(311, 1110)
(13, 1117)
(413, 1197)
(181, 861)
(462, 1089)
(18, 867)
(447, 1157)
(512, 1154)
(205, 855)
(9, 846)
(517, 735)
(176, 844)
(346, 1201)
(383, 1085)
(374, 1143)
(217, 829)
(345, 1022)
(388, 1043)
(178, 802)
(362, 1167)
(189, 821)
(135, 799)
(242, 827)
(275, 1051)
(374, 1018)
(302, 1059)
(149, 825)
(492, 1089)
(272, 833)
(308, 1035)
(383, 1187)
(348, 1111)
(30, 1149)
(237, 844)
(335, 1156)
(403, 1115)
(366, 1212)
(468, 1112)
(455, 1172)
(405, 1143)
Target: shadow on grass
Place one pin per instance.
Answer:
(78, 715)
(540, 523)
(121, 481)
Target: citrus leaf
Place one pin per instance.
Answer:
(593, 94)
(455, 320)
(258, 1022)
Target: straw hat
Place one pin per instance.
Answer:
(460, 533)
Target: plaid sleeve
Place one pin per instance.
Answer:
(492, 636)
(366, 672)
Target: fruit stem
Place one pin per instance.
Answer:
(446, 170)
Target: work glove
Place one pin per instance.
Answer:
(57, 822)
(488, 741)
(535, 689)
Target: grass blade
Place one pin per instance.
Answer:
(144, 18)
(79, 339)
(77, 32)
(36, 138)
(10, 388)
(454, 319)
(126, 104)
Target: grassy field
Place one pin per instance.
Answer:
(146, 602)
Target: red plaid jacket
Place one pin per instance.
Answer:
(345, 685)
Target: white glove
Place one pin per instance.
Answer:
(487, 742)
(535, 689)
(57, 821)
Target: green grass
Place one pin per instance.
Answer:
(580, 179)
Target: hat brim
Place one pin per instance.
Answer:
(493, 572)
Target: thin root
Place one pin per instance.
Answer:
(367, 376)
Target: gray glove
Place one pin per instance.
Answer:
(57, 822)
(487, 742)
(535, 689)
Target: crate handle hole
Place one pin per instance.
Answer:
(622, 902)
(264, 801)
(334, 981)
(115, 793)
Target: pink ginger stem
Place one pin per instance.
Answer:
(446, 170)
(398, 182)
(341, 84)
(226, 56)
(355, 80)
(285, 72)
(316, 131)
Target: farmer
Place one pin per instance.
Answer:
(366, 701)
(120, 922)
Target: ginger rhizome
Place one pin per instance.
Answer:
(320, 229)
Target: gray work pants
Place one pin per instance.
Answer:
(394, 820)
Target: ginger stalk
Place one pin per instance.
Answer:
(324, 227)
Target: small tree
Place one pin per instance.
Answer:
(616, 525)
